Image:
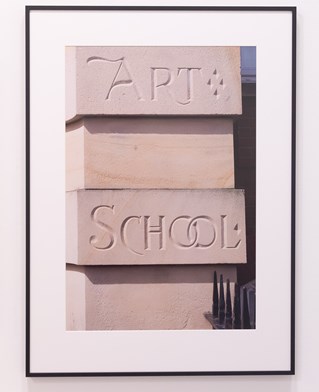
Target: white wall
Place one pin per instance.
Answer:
(12, 224)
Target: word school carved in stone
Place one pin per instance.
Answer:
(155, 227)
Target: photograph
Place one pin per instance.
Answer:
(160, 187)
(160, 190)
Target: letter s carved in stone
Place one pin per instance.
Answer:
(104, 242)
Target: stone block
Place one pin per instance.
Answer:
(155, 226)
(75, 297)
(149, 153)
(152, 81)
(144, 297)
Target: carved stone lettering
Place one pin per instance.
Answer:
(156, 227)
(160, 77)
(94, 241)
(153, 80)
(122, 77)
(189, 85)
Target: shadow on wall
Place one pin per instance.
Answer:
(153, 274)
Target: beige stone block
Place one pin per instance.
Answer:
(150, 153)
(148, 297)
(155, 227)
(152, 81)
(75, 297)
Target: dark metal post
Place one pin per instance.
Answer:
(228, 306)
(246, 318)
(215, 296)
(221, 300)
(237, 308)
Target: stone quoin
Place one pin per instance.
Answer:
(152, 81)
(108, 227)
(151, 206)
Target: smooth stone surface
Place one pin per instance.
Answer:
(142, 297)
(155, 227)
(152, 81)
(149, 153)
(75, 298)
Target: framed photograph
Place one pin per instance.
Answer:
(160, 154)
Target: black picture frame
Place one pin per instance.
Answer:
(29, 11)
